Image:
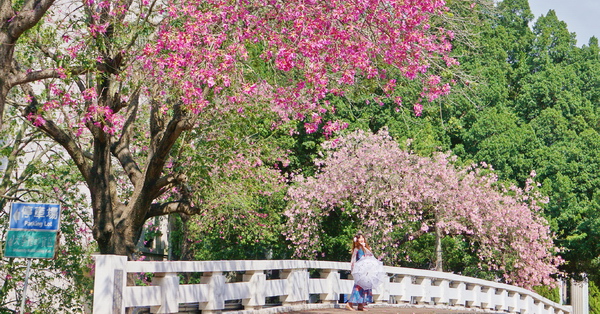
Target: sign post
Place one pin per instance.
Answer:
(24, 296)
(32, 233)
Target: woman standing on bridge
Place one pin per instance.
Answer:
(367, 271)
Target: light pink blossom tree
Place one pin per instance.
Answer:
(134, 76)
(391, 191)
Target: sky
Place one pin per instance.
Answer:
(582, 16)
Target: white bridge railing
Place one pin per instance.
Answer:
(295, 287)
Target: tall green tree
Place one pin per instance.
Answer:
(543, 119)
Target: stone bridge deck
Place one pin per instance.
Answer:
(382, 309)
(340, 309)
(388, 310)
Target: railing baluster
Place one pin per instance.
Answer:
(109, 284)
(381, 295)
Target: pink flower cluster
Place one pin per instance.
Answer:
(310, 48)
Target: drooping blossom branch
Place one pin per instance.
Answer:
(390, 191)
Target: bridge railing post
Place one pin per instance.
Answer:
(473, 295)
(296, 286)
(501, 295)
(256, 284)
(440, 288)
(579, 296)
(487, 299)
(110, 281)
(333, 286)
(169, 293)
(513, 301)
(423, 284)
(381, 295)
(527, 304)
(457, 296)
(404, 285)
(215, 288)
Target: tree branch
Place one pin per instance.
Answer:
(62, 137)
(161, 209)
(120, 149)
(165, 183)
(23, 78)
(162, 143)
(30, 14)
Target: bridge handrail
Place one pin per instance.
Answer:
(230, 265)
(407, 285)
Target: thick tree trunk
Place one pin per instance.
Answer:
(116, 225)
(119, 241)
(116, 229)
(114, 235)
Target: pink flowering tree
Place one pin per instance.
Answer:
(295, 54)
(15, 19)
(389, 191)
(132, 78)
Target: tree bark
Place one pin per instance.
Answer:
(439, 262)
(4, 89)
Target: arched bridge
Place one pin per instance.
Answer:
(299, 285)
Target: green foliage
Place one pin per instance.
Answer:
(234, 163)
(62, 284)
(338, 240)
(594, 297)
(238, 232)
(531, 105)
(552, 294)
(460, 257)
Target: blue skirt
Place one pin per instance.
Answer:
(360, 295)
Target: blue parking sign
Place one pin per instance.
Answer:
(32, 216)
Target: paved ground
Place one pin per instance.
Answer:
(383, 311)
(389, 310)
